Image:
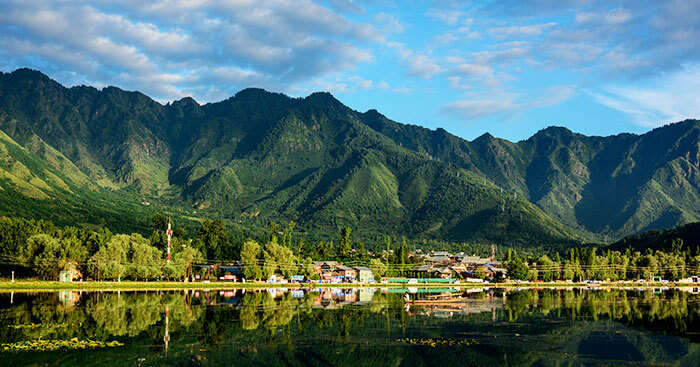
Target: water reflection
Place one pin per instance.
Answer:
(362, 326)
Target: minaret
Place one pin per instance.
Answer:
(169, 232)
(166, 337)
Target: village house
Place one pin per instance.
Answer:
(442, 264)
(345, 271)
(690, 279)
(325, 269)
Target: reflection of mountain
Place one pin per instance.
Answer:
(609, 341)
(286, 328)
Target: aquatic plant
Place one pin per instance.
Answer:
(41, 345)
(438, 342)
(39, 326)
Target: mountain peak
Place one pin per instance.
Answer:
(186, 101)
(26, 73)
(322, 98)
(558, 130)
(251, 92)
(485, 137)
(554, 132)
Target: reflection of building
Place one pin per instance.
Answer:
(691, 290)
(365, 295)
(331, 298)
(68, 298)
(448, 305)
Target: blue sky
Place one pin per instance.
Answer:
(506, 67)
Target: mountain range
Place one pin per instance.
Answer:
(94, 156)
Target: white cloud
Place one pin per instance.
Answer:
(613, 16)
(448, 16)
(457, 82)
(521, 31)
(473, 69)
(418, 65)
(361, 83)
(503, 103)
(664, 99)
(472, 109)
(402, 90)
(388, 23)
(422, 66)
(164, 47)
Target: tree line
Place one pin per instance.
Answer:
(39, 247)
(43, 249)
(580, 264)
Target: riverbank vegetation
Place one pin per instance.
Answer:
(40, 249)
(606, 265)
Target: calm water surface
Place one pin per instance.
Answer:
(365, 327)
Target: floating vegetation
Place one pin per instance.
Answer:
(39, 326)
(438, 342)
(53, 345)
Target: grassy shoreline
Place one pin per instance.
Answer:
(35, 285)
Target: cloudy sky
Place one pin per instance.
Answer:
(506, 67)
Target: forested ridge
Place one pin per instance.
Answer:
(93, 158)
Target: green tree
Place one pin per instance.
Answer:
(269, 265)
(145, 261)
(250, 253)
(283, 257)
(48, 256)
(345, 244)
(110, 261)
(378, 268)
(159, 222)
(517, 269)
(306, 268)
(214, 241)
(184, 257)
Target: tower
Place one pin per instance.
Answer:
(493, 252)
(169, 232)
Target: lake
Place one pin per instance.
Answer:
(353, 327)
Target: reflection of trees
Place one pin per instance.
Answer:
(101, 316)
(260, 308)
(125, 314)
(671, 310)
(249, 310)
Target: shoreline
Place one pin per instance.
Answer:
(34, 286)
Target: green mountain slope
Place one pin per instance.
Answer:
(253, 158)
(605, 186)
(261, 156)
(686, 238)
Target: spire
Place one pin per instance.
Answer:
(170, 234)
